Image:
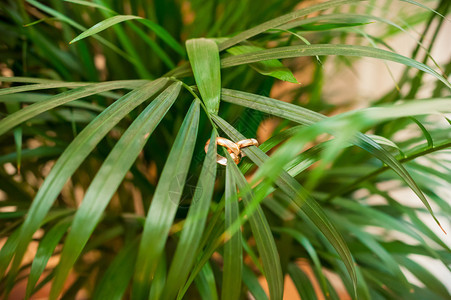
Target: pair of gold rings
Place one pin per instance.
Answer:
(233, 148)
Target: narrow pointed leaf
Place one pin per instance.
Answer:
(301, 282)
(307, 117)
(164, 35)
(426, 133)
(108, 179)
(206, 284)
(45, 250)
(103, 25)
(271, 67)
(233, 253)
(153, 45)
(29, 80)
(41, 86)
(71, 159)
(204, 59)
(328, 49)
(271, 106)
(193, 227)
(90, 4)
(384, 141)
(282, 20)
(11, 108)
(425, 276)
(160, 279)
(263, 237)
(114, 281)
(306, 205)
(211, 241)
(7, 250)
(371, 243)
(38, 97)
(159, 31)
(301, 239)
(35, 109)
(164, 203)
(253, 285)
(60, 16)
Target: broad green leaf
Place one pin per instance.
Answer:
(71, 159)
(233, 251)
(305, 205)
(45, 250)
(114, 281)
(204, 59)
(282, 20)
(35, 109)
(263, 237)
(328, 49)
(271, 67)
(164, 203)
(193, 227)
(102, 26)
(108, 179)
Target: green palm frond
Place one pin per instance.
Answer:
(109, 175)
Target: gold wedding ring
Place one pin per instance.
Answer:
(233, 148)
(246, 143)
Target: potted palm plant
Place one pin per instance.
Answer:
(145, 156)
